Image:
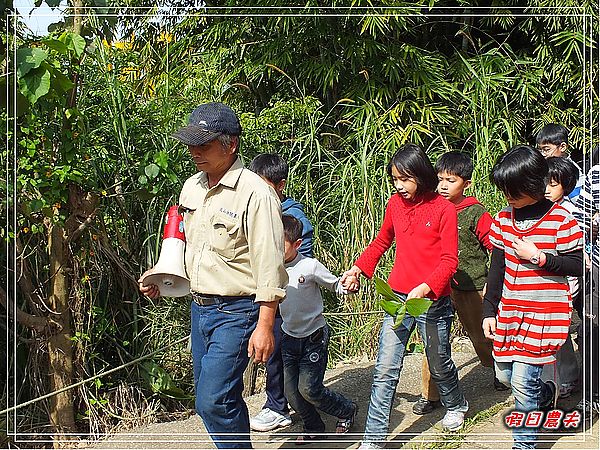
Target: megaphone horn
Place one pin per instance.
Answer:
(169, 272)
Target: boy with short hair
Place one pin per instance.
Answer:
(272, 168)
(455, 170)
(304, 344)
(553, 140)
(561, 180)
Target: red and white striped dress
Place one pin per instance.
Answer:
(535, 308)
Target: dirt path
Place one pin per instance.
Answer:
(406, 429)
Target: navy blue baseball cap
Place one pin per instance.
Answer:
(207, 122)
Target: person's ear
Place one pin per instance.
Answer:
(297, 244)
(280, 187)
(467, 184)
(563, 147)
(233, 145)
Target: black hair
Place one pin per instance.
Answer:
(292, 228)
(455, 163)
(270, 166)
(561, 170)
(521, 171)
(552, 133)
(410, 160)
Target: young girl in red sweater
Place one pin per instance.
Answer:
(424, 226)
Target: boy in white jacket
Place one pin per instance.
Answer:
(306, 338)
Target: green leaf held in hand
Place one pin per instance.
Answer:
(395, 307)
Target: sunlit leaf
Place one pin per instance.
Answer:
(28, 59)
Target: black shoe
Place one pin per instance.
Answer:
(424, 406)
(550, 403)
(499, 386)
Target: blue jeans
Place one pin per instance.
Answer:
(434, 329)
(304, 362)
(276, 400)
(220, 335)
(529, 391)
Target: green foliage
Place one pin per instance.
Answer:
(397, 308)
(336, 96)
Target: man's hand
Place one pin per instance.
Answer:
(489, 327)
(349, 279)
(262, 341)
(150, 290)
(420, 291)
(261, 345)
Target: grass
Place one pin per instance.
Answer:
(457, 438)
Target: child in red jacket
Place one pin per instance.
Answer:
(423, 225)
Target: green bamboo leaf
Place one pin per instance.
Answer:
(417, 306)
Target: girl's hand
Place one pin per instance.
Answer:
(489, 327)
(524, 248)
(419, 292)
(349, 279)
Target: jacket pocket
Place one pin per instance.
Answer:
(224, 236)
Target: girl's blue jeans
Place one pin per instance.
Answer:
(529, 391)
(434, 329)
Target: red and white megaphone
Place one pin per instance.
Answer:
(169, 272)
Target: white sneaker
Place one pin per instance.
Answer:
(453, 420)
(364, 445)
(267, 420)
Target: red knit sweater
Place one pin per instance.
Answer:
(426, 235)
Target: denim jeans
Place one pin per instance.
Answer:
(276, 400)
(304, 362)
(434, 329)
(220, 335)
(529, 392)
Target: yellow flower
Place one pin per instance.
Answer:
(25, 229)
(109, 67)
(165, 37)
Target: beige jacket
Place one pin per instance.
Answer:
(234, 236)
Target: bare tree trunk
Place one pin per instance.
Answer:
(60, 351)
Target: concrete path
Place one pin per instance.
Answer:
(483, 429)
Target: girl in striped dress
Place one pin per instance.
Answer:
(527, 306)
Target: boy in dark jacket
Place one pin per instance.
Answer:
(274, 170)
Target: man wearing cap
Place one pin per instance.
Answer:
(234, 260)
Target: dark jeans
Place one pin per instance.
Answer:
(220, 335)
(304, 362)
(276, 400)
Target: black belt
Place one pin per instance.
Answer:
(208, 299)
